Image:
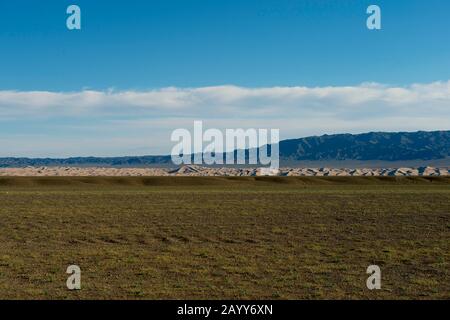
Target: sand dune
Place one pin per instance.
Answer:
(192, 170)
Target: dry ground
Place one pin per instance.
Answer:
(212, 238)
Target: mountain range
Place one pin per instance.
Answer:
(374, 147)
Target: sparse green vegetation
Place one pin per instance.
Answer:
(203, 238)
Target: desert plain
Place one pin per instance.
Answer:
(225, 237)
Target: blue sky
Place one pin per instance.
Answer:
(137, 44)
(135, 49)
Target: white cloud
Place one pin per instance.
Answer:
(128, 118)
(209, 100)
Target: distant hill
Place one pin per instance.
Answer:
(138, 161)
(375, 147)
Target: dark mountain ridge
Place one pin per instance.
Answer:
(372, 146)
(387, 146)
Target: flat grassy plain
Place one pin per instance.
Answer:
(219, 237)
